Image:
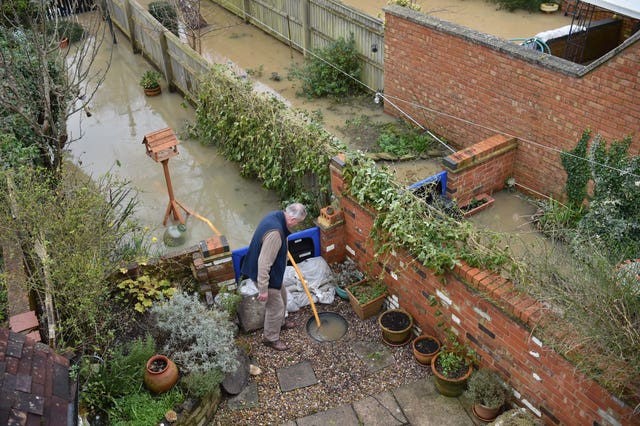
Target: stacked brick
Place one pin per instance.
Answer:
(212, 266)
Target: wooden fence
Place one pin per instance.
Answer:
(308, 25)
(181, 65)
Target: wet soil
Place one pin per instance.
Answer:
(395, 321)
(426, 346)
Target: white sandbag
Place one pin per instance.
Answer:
(319, 278)
(247, 287)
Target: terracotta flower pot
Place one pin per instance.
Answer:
(154, 91)
(484, 413)
(425, 348)
(161, 374)
(449, 386)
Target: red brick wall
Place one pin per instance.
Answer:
(470, 77)
(485, 311)
(481, 168)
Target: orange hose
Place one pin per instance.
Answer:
(204, 219)
(306, 289)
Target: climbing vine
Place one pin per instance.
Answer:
(578, 171)
(433, 236)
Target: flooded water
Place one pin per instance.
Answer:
(481, 15)
(203, 181)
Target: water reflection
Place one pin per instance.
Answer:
(111, 141)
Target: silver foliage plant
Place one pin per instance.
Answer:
(199, 339)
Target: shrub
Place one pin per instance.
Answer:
(165, 13)
(511, 5)
(199, 385)
(282, 149)
(197, 338)
(70, 29)
(120, 374)
(74, 214)
(487, 388)
(143, 409)
(332, 71)
(144, 290)
(403, 140)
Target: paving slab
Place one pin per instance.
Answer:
(246, 399)
(296, 376)
(424, 406)
(375, 355)
(343, 415)
(380, 410)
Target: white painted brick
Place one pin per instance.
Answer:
(350, 250)
(532, 408)
(482, 313)
(445, 299)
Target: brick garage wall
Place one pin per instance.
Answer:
(432, 65)
(485, 311)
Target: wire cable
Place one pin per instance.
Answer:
(387, 98)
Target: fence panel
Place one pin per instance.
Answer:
(328, 21)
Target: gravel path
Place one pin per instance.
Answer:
(342, 376)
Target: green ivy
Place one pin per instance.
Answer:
(578, 170)
(612, 219)
(432, 236)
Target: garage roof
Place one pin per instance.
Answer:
(629, 8)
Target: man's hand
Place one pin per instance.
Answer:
(263, 297)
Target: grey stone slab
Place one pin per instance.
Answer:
(248, 398)
(374, 354)
(290, 423)
(235, 382)
(379, 410)
(424, 406)
(343, 415)
(296, 376)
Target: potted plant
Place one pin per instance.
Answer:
(366, 297)
(345, 274)
(451, 369)
(488, 393)
(476, 204)
(150, 82)
(396, 325)
(424, 348)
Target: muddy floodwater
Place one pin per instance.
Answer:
(202, 180)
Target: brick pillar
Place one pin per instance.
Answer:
(481, 168)
(212, 266)
(332, 232)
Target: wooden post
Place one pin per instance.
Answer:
(306, 32)
(173, 204)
